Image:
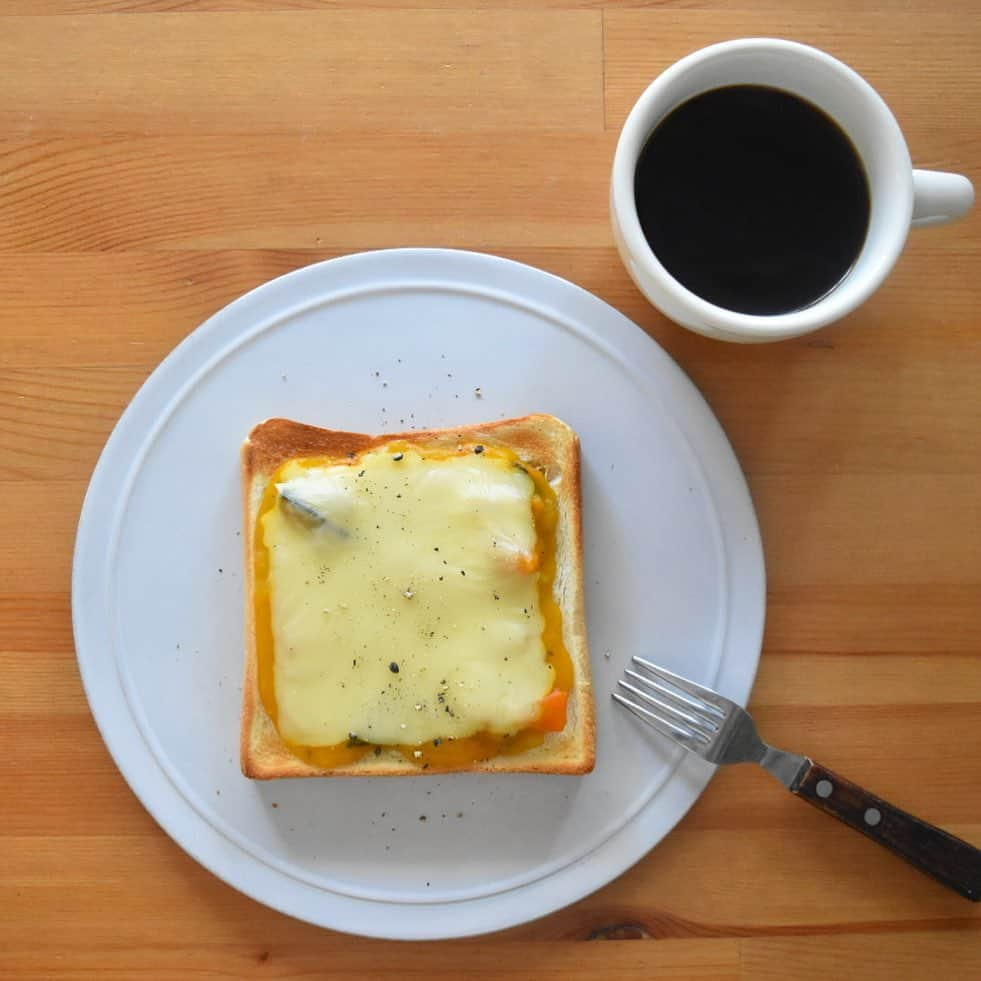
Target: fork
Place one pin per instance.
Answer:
(720, 731)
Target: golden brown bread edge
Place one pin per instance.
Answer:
(539, 440)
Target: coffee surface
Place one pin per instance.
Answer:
(753, 198)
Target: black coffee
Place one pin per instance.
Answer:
(753, 198)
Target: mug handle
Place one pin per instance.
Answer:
(939, 197)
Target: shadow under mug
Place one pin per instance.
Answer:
(901, 197)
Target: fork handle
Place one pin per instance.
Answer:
(948, 859)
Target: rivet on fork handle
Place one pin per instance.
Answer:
(948, 859)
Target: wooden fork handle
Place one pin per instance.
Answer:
(948, 859)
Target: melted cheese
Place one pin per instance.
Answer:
(404, 600)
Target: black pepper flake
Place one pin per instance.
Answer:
(422, 817)
(463, 572)
(437, 741)
(398, 456)
(394, 668)
(478, 449)
(378, 752)
(435, 548)
(496, 596)
(360, 473)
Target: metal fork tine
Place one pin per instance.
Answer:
(669, 701)
(711, 701)
(696, 705)
(682, 718)
(667, 728)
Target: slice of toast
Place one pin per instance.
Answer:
(541, 442)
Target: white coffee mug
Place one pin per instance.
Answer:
(900, 196)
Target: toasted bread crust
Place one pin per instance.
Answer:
(540, 440)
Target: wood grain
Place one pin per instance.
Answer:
(834, 9)
(269, 72)
(159, 158)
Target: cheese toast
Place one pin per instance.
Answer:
(415, 602)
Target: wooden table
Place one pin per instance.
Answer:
(159, 158)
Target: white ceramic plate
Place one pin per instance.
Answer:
(392, 340)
